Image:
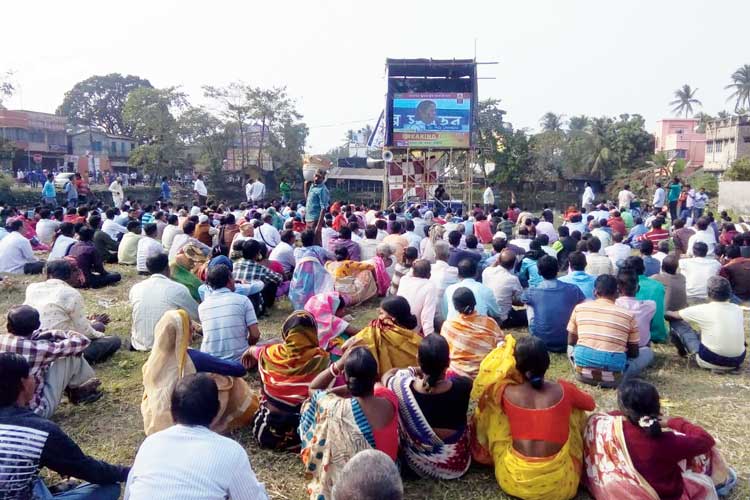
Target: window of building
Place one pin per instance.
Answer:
(746, 138)
(718, 146)
(114, 148)
(679, 131)
(680, 153)
(122, 147)
(709, 147)
(97, 145)
(132, 146)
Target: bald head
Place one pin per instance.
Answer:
(421, 269)
(508, 258)
(23, 320)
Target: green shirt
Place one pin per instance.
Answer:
(674, 192)
(284, 188)
(653, 290)
(627, 218)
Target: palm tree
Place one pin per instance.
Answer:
(578, 123)
(601, 154)
(684, 100)
(703, 119)
(551, 122)
(741, 87)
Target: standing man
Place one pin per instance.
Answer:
(674, 195)
(286, 191)
(49, 197)
(71, 193)
(587, 201)
(199, 188)
(659, 197)
(625, 198)
(489, 198)
(166, 191)
(255, 191)
(318, 199)
(118, 194)
(699, 203)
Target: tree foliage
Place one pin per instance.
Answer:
(739, 170)
(684, 100)
(287, 145)
(199, 129)
(740, 87)
(7, 88)
(98, 102)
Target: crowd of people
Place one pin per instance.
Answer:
(433, 383)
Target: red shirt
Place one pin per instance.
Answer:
(483, 231)
(386, 438)
(656, 235)
(656, 459)
(617, 225)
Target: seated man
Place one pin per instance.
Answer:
(283, 253)
(401, 269)
(105, 246)
(618, 251)
(127, 251)
(112, 228)
(148, 246)
(90, 262)
(649, 289)
(675, 297)
(486, 304)
(458, 254)
(697, 271)
(228, 319)
(578, 275)
(596, 263)
(737, 271)
(643, 310)
(421, 295)
(602, 336)
(29, 442)
(61, 307)
(16, 254)
(650, 264)
(154, 296)
(442, 276)
(506, 288)
(552, 302)
(55, 358)
(721, 344)
(369, 475)
(396, 241)
(203, 464)
(369, 243)
(248, 269)
(344, 240)
(182, 239)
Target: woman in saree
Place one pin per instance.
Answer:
(171, 359)
(354, 280)
(329, 309)
(308, 279)
(639, 454)
(530, 429)
(338, 423)
(470, 335)
(277, 220)
(187, 267)
(286, 370)
(432, 413)
(391, 337)
(427, 245)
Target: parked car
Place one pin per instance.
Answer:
(62, 178)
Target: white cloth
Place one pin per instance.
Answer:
(147, 247)
(697, 270)
(598, 264)
(547, 228)
(659, 197)
(45, 230)
(523, 243)
(588, 196)
(150, 299)
(625, 198)
(225, 317)
(255, 191)
(61, 247)
(268, 235)
(202, 465)
(442, 276)
(118, 194)
(505, 287)
(604, 237)
(113, 229)
(617, 252)
(368, 248)
(200, 187)
(488, 197)
(60, 307)
(421, 295)
(414, 239)
(167, 237)
(721, 327)
(706, 236)
(15, 253)
(284, 253)
(326, 235)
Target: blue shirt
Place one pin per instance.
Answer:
(553, 302)
(529, 274)
(486, 303)
(652, 265)
(458, 255)
(48, 191)
(166, 192)
(582, 280)
(318, 198)
(225, 317)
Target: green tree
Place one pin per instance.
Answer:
(199, 128)
(741, 88)
(739, 170)
(98, 102)
(270, 109)
(551, 122)
(235, 106)
(512, 157)
(703, 119)
(287, 146)
(490, 131)
(684, 100)
(148, 113)
(578, 123)
(7, 89)
(722, 115)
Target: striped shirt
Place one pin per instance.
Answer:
(225, 317)
(603, 326)
(147, 247)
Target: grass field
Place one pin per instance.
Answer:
(112, 428)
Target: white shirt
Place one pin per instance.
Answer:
(547, 228)
(617, 252)
(167, 237)
(255, 191)
(598, 264)
(225, 317)
(488, 197)
(15, 253)
(45, 230)
(625, 198)
(659, 196)
(202, 465)
(524, 243)
(117, 192)
(113, 229)
(721, 326)
(268, 235)
(60, 307)
(505, 287)
(284, 253)
(61, 247)
(414, 239)
(604, 237)
(588, 196)
(200, 187)
(697, 270)
(442, 276)
(690, 201)
(707, 236)
(147, 247)
(368, 248)
(421, 295)
(150, 299)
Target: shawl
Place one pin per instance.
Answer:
(382, 279)
(392, 345)
(323, 307)
(423, 451)
(309, 278)
(470, 337)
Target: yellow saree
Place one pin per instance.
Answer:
(393, 346)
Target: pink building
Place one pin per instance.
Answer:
(678, 138)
